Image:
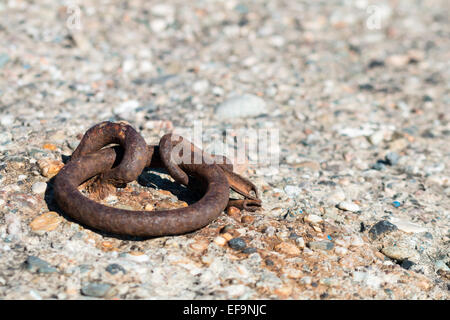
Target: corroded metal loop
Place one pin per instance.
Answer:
(135, 156)
(175, 152)
(138, 223)
(213, 175)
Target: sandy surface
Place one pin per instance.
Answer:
(357, 91)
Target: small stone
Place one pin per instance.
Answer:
(126, 107)
(7, 120)
(376, 138)
(199, 245)
(149, 207)
(234, 212)
(397, 60)
(49, 168)
(292, 191)
(379, 166)
(49, 146)
(321, 245)
(287, 248)
(158, 25)
(37, 265)
(237, 243)
(313, 219)
(406, 264)
(341, 250)
(247, 219)
(348, 206)
(95, 289)
(115, 268)
(392, 158)
(4, 58)
(380, 228)
(396, 204)
(270, 231)
(200, 86)
(300, 242)
(46, 222)
(244, 106)
(138, 256)
(397, 253)
(227, 236)
(441, 265)
(219, 240)
(249, 250)
(336, 197)
(39, 187)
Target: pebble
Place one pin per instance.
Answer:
(49, 168)
(335, 197)
(46, 222)
(397, 252)
(244, 106)
(115, 268)
(407, 226)
(397, 60)
(321, 245)
(392, 158)
(39, 187)
(406, 264)
(95, 289)
(237, 243)
(380, 228)
(287, 248)
(292, 191)
(300, 242)
(341, 250)
(199, 245)
(348, 206)
(126, 108)
(376, 138)
(396, 204)
(5, 137)
(219, 240)
(7, 120)
(37, 265)
(4, 58)
(200, 86)
(313, 219)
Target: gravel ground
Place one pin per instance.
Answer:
(358, 91)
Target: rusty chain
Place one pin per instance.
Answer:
(116, 166)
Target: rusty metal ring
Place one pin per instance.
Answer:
(138, 223)
(135, 157)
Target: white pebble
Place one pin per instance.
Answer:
(39, 187)
(200, 86)
(292, 191)
(349, 206)
(313, 219)
(7, 120)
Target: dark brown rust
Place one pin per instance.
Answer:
(88, 161)
(137, 223)
(135, 157)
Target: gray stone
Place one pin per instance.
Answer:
(321, 245)
(37, 265)
(381, 227)
(115, 268)
(237, 243)
(95, 289)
